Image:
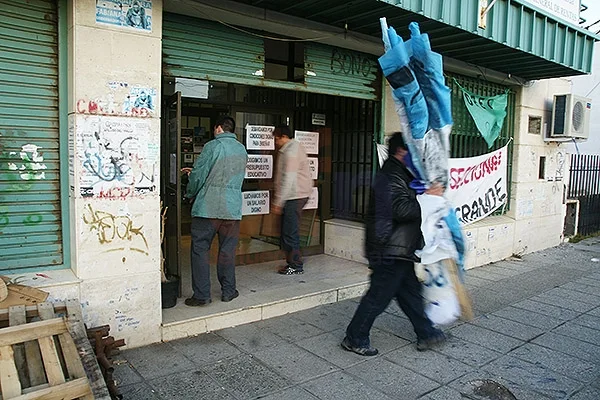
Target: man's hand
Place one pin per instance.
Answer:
(186, 170)
(436, 190)
(276, 210)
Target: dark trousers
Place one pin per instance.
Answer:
(203, 233)
(390, 279)
(290, 234)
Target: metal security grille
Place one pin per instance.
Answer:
(30, 197)
(353, 130)
(465, 140)
(584, 185)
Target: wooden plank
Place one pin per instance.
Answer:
(9, 377)
(46, 312)
(74, 366)
(17, 317)
(51, 362)
(31, 331)
(88, 358)
(466, 307)
(32, 311)
(69, 390)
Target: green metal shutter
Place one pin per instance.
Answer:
(30, 207)
(341, 72)
(201, 49)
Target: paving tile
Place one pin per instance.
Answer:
(290, 328)
(431, 364)
(560, 313)
(561, 301)
(588, 393)
(588, 320)
(345, 307)
(534, 376)
(293, 393)
(294, 362)
(488, 300)
(124, 374)
(189, 386)
(568, 345)
(327, 320)
(328, 346)
(443, 393)
(482, 273)
(581, 287)
(205, 348)
(486, 338)
(527, 317)
(499, 270)
(579, 332)
(595, 312)
(157, 360)
(139, 391)
(341, 385)
(250, 337)
(245, 377)
(554, 360)
(395, 325)
(466, 383)
(392, 378)
(468, 353)
(507, 327)
(474, 281)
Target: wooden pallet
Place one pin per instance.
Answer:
(49, 357)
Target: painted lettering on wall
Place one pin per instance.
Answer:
(118, 230)
(349, 63)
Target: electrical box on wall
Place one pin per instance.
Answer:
(570, 117)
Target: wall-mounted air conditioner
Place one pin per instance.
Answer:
(570, 117)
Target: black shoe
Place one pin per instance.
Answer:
(229, 298)
(432, 341)
(362, 351)
(289, 270)
(193, 302)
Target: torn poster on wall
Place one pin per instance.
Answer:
(125, 100)
(117, 155)
(136, 14)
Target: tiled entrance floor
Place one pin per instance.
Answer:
(265, 294)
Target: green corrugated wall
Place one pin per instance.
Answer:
(200, 49)
(30, 201)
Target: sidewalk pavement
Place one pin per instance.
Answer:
(536, 332)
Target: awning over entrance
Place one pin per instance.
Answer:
(519, 39)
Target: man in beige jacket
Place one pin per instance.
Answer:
(293, 186)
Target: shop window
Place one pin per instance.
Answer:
(284, 61)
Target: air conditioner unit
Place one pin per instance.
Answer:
(571, 116)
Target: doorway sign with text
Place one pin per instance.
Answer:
(255, 203)
(259, 166)
(313, 166)
(313, 200)
(259, 137)
(310, 141)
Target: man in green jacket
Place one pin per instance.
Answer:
(215, 186)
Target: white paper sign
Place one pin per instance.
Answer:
(310, 141)
(318, 119)
(255, 203)
(313, 165)
(477, 185)
(313, 200)
(259, 137)
(259, 166)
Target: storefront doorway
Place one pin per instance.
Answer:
(188, 124)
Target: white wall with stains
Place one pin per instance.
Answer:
(114, 164)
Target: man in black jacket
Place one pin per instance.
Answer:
(393, 234)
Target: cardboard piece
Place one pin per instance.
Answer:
(22, 295)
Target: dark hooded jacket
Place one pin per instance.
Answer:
(394, 216)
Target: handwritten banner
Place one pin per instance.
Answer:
(478, 185)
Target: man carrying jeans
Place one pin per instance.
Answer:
(293, 186)
(215, 184)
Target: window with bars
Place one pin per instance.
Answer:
(465, 140)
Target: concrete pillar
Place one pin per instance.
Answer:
(114, 148)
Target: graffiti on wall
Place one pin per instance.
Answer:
(117, 157)
(117, 231)
(122, 100)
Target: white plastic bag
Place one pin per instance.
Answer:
(441, 303)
